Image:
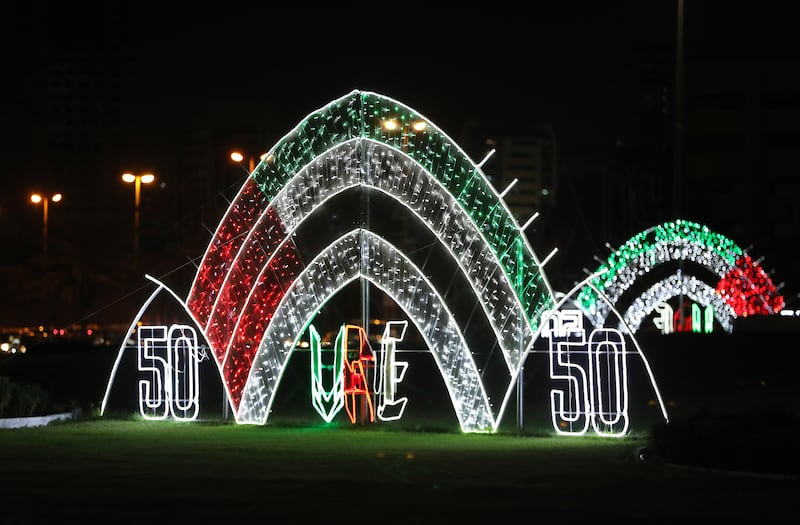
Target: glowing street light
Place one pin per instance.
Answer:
(238, 157)
(137, 181)
(36, 198)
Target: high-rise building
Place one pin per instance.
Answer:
(523, 162)
(531, 162)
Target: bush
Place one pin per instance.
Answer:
(22, 399)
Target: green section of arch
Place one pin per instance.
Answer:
(645, 244)
(362, 115)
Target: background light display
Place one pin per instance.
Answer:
(676, 285)
(742, 286)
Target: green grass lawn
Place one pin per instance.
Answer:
(131, 470)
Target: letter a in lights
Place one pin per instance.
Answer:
(359, 360)
(594, 374)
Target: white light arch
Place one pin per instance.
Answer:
(363, 254)
(396, 175)
(676, 285)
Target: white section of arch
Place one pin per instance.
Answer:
(672, 286)
(661, 252)
(363, 254)
(364, 162)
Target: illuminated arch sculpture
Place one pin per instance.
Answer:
(743, 287)
(363, 254)
(252, 291)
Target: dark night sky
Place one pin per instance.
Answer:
(575, 65)
(472, 64)
(559, 64)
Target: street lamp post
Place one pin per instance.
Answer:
(238, 157)
(137, 181)
(36, 198)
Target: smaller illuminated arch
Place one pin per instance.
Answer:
(742, 283)
(673, 286)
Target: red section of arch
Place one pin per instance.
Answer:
(749, 290)
(231, 233)
(243, 273)
(240, 283)
(278, 275)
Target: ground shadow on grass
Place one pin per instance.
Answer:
(748, 440)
